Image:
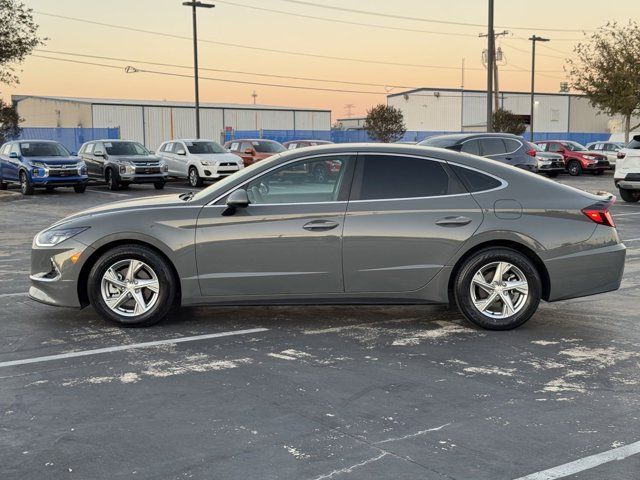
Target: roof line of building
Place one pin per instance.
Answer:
(502, 92)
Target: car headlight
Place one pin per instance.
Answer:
(82, 168)
(51, 238)
(206, 163)
(127, 167)
(163, 166)
(38, 164)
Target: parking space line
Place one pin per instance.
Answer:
(626, 214)
(21, 294)
(631, 240)
(585, 463)
(119, 348)
(108, 193)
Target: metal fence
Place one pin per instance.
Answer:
(71, 138)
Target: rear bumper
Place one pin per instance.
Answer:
(586, 273)
(628, 184)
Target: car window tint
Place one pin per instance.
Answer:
(311, 180)
(474, 180)
(387, 176)
(471, 146)
(511, 144)
(554, 147)
(235, 146)
(492, 146)
(15, 149)
(89, 148)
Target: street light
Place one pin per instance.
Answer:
(533, 39)
(195, 5)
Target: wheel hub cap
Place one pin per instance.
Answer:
(130, 287)
(499, 290)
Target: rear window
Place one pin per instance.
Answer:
(511, 144)
(471, 146)
(634, 143)
(492, 146)
(474, 180)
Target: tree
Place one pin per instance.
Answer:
(507, 122)
(606, 68)
(385, 124)
(18, 38)
(9, 122)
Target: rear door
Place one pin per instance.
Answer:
(8, 166)
(407, 216)
(13, 164)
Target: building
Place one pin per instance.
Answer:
(152, 122)
(562, 115)
(351, 123)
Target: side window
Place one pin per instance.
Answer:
(244, 146)
(15, 148)
(386, 176)
(292, 146)
(89, 148)
(554, 147)
(5, 149)
(235, 146)
(492, 146)
(634, 143)
(313, 180)
(511, 144)
(471, 146)
(179, 147)
(474, 180)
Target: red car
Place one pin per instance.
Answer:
(322, 172)
(293, 144)
(253, 150)
(577, 158)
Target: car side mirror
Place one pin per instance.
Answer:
(181, 152)
(151, 152)
(73, 154)
(98, 153)
(248, 151)
(13, 155)
(238, 199)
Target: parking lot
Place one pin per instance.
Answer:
(312, 392)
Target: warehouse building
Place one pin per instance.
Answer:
(152, 122)
(454, 110)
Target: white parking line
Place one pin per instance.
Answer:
(108, 193)
(3, 295)
(626, 214)
(119, 348)
(585, 463)
(631, 240)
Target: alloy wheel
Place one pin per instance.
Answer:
(193, 177)
(130, 288)
(499, 290)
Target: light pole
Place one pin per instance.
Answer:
(195, 5)
(533, 39)
(491, 48)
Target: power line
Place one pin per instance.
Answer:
(427, 20)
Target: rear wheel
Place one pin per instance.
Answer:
(3, 186)
(498, 289)
(112, 180)
(629, 195)
(574, 168)
(158, 185)
(194, 177)
(131, 285)
(79, 188)
(598, 172)
(50, 189)
(25, 184)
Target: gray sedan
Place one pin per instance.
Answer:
(397, 224)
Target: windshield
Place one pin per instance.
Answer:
(204, 147)
(536, 147)
(43, 149)
(125, 148)
(574, 146)
(440, 142)
(267, 147)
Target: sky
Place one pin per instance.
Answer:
(409, 53)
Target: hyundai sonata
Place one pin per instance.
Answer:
(397, 224)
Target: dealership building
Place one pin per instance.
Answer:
(153, 122)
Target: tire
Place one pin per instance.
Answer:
(194, 177)
(598, 172)
(79, 188)
(574, 168)
(112, 180)
(25, 184)
(495, 317)
(629, 195)
(118, 260)
(158, 185)
(320, 173)
(50, 189)
(3, 186)
(552, 174)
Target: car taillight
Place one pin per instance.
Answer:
(599, 213)
(532, 152)
(621, 155)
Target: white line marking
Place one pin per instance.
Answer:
(585, 463)
(3, 295)
(119, 348)
(108, 193)
(626, 214)
(412, 435)
(352, 467)
(631, 240)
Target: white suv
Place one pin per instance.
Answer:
(627, 175)
(198, 160)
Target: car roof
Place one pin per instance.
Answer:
(467, 136)
(190, 140)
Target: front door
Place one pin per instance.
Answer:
(288, 241)
(406, 218)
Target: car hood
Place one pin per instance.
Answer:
(549, 156)
(156, 201)
(53, 160)
(262, 156)
(217, 157)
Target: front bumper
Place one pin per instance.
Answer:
(54, 273)
(143, 178)
(219, 172)
(39, 182)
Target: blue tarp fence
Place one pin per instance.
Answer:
(351, 136)
(72, 138)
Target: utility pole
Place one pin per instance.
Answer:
(533, 39)
(497, 56)
(491, 48)
(254, 95)
(194, 4)
(349, 107)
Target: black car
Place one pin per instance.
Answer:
(502, 147)
(122, 162)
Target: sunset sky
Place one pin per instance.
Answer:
(231, 23)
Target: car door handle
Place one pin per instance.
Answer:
(453, 221)
(320, 225)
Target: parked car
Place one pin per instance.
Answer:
(293, 144)
(609, 149)
(254, 150)
(120, 163)
(399, 224)
(577, 158)
(198, 160)
(627, 174)
(551, 164)
(35, 164)
(501, 147)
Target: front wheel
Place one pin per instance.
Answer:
(112, 180)
(79, 188)
(194, 178)
(629, 195)
(131, 285)
(158, 185)
(25, 184)
(3, 185)
(574, 168)
(498, 289)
